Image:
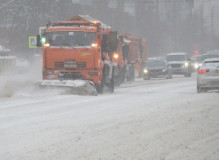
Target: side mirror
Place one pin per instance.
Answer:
(39, 44)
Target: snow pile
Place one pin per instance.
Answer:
(75, 83)
(7, 57)
(3, 49)
(23, 63)
(24, 85)
(19, 79)
(26, 81)
(151, 120)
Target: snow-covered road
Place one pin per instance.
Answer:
(146, 120)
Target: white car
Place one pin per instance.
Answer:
(208, 75)
(180, 63)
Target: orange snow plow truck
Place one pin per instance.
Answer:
(77, 54)
(134, 51)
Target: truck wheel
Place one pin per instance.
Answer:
(132, 72)
(147, 78)
(99, 88)
(118, 81)
(112, 82)
(201, 90)
(169, 75)
(166, 76)
(188, 74)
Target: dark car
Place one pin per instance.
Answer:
(156, 68)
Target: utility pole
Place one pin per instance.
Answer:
(175, 24)
(158, 24)
(158, 9)
(212, 21)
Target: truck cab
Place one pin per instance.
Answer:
(78, 49)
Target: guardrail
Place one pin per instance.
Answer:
(7, 63)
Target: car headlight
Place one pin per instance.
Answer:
(145, 70)
(196, 65)
(186, 64)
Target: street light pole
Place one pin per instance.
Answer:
(212, 21)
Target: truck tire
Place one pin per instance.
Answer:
(147, 78)
(99, 88)
(169, 75)
(112, 82)
(201, 90)
(188, 74)
(132, 72)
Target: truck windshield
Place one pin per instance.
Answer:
(176, 58)
(71, 39)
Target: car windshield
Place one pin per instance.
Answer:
(155, 63)
(212, 63)
(208, 56)
(213, 52)
(73, 38)
(176, 58)
(195, 59)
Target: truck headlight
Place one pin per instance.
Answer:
(145, 70)
(46, 45)
(115, 55)
(186, 64)
(94, 45)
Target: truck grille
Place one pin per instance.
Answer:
(59, 64)
(176, 65)
(78, 65)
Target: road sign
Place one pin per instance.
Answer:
(32, 42)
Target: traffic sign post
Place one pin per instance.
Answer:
(32, 42)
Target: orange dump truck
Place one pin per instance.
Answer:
(134, 53)
(78, 52)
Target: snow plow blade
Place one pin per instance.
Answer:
(79, 87)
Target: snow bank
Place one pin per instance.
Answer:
(24, 81)
(7, 57)
(75, 83)
(19, 79)
(3, 49)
